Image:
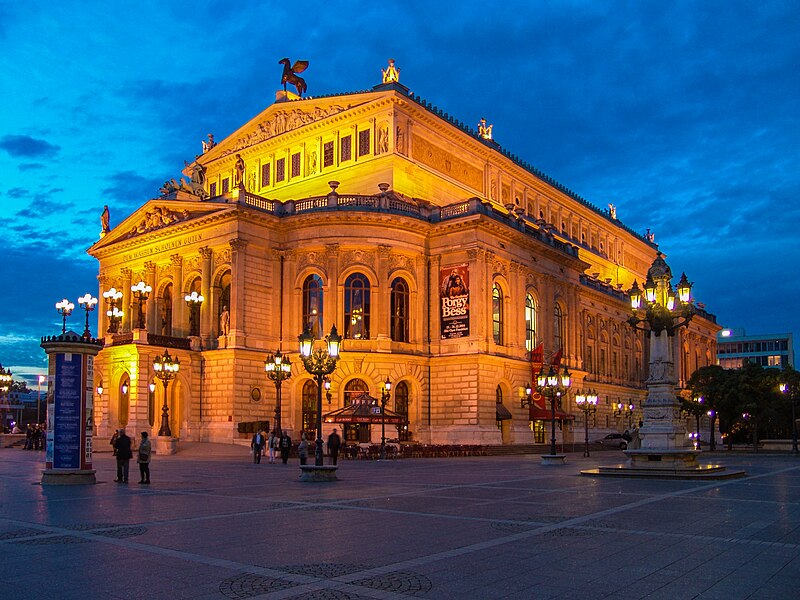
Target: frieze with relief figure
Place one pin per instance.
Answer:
(159, 217)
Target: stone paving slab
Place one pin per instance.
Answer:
(213, 525)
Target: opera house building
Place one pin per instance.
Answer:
(443, 261)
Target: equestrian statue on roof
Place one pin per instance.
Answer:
(290, 74)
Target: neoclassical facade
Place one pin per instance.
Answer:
(442, 259)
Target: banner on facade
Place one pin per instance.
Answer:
(454, 299)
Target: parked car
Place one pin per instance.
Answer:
(619, 440)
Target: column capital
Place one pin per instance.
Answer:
(176, 260)
(237, 244)
(206, 252)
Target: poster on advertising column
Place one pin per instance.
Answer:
(454, 298)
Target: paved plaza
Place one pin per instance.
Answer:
(214, 525)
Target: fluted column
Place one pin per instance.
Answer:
(331, 298)
(237, 309)
(207, 307)
(381, 325)
(126, 299)
(150, 279)
(179, 326)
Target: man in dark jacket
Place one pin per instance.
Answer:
(334, 443)
(286, 446)
(124, 455)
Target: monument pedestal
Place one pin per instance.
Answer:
(166, 445)
(67, 477)
(318, 474)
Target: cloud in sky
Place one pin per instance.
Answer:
(684, 115)
(24, 146)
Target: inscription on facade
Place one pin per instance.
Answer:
(442, 160)
(163, 247)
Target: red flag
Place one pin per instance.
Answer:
(555, 362)
(537, 361)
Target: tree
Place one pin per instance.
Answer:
(714, 385)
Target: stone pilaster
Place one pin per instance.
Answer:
(237, 317)
(180, 326)
(151, 314)
(127, 298)
(207, 308)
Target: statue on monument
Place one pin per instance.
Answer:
(290, 74)
(104, 221)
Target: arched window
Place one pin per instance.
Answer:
(355, 433)
(558, 328)
(498, 395)
(194, 308)
(497, 314)
(312, 305)
(400, 310)
(356, 307)
(166, 310)
(310, 409)
(401, 407)
(530, 323)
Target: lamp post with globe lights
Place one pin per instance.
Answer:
(64, 308)
(587, 404)
(552, 385)
(279, 369)
(141, 292)
(165, 368)
(194, 300)
(625, 410)
(114, 313)
(87, 302)
(385, 395)
(319, 362)
(5, 386)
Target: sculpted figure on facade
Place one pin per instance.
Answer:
(383, 139)
(238, 180)
(104, 221)
(224, 321)
(208, 145)
(390, 73)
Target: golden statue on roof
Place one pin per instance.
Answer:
(484, 130)
(391, 73)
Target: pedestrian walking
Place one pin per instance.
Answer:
(302, 449)
(143, 458)
(113, 442)
(286, 446)
(257, 446)
(124, 456)
(334, 443)
(272, 446)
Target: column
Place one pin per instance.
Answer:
(207, 307)
(380, 321)
(126, 299)
(331, 294)
(150, 315)
(480, 298)
(102, 306)
(179, 324)
(237, 309)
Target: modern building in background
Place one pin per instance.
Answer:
(734, 347)
(441, 258)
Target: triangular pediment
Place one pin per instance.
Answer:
(158, 215)
(285, 116)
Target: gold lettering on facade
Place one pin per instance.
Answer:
(162, 247)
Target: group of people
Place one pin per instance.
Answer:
(35, 436)
(123, 450)
(280, 442)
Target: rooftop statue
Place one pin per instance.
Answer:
(484, 130)
(104, 221)
(208, 145)
(391, 73)
(290, 74)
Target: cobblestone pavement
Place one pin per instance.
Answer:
(214, 525)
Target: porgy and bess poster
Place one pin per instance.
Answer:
(454, 299)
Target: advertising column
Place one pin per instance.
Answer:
(69, 408)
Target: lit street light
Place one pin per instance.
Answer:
(87, 303)
(587, 403)
(385, 395)
(64, 308)
(114, 313)
(194, 300)
(165, 368)
(551, 385)
(789, 390)
(279, 369)
(141, 292)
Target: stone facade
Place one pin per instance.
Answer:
(374, 195)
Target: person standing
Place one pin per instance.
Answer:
(302, 449)
(272, 446)
(143, 458)
(334, 443)
(113, 441)
(286, 446)
(257, 444)
(124, 456)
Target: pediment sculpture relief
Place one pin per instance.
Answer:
(157, 218)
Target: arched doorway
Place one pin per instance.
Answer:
(503, 417)
(309, 414)
(123, 401)
(401, 401)
(355, 433)
(175, 401)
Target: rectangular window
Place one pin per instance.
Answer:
(213, 190)
(363, 142)
(296, 164)
(280, 170)
(226, 185)
(327, 154)
(265, 174)
(347, 148)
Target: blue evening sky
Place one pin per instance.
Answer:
(683, 114)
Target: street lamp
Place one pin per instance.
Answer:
(279, 369)
(64, 308)
(165, 368)
(141, 292)
(87, 302)
(194, 300)
(625, 411)
(788, 389)
(319, 362)
(552, 385)
(114, 313)
(385, 395)
(587, 403)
